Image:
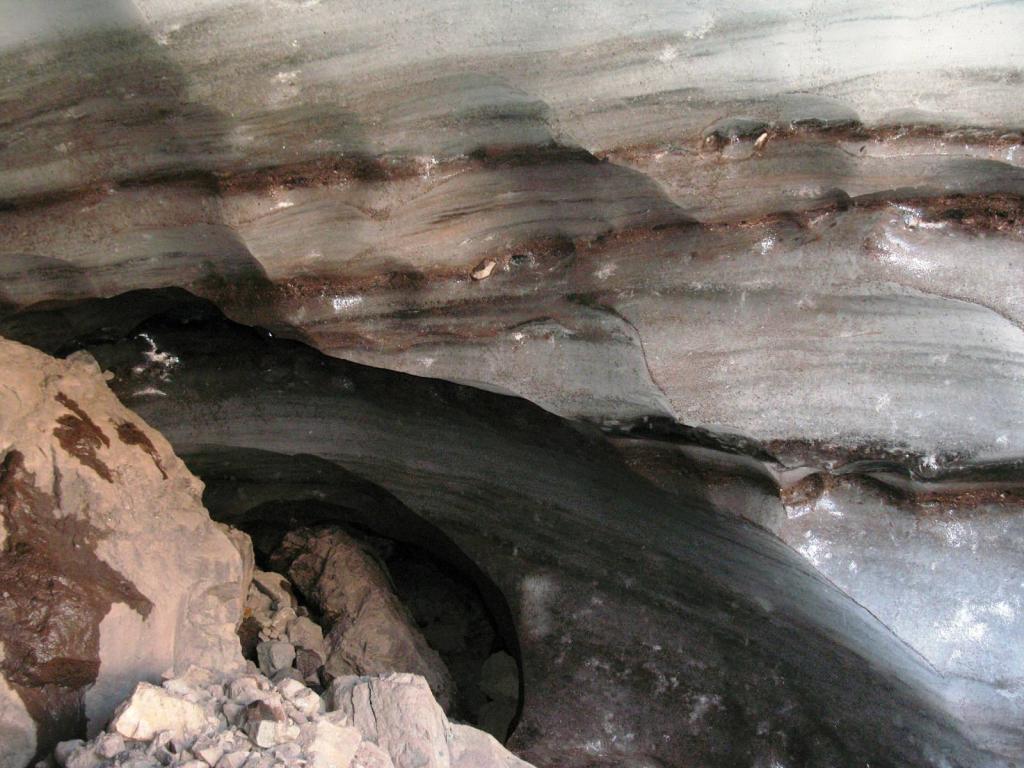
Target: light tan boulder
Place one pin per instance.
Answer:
(152, 710)
(112, 570)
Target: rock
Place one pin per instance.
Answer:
(112, 570)
(274, 586)
(152, 710)
(275, 656)
(301, 697)
(110, 745)
(63, 750)
(495, 717)
(371, 631)
(193, 685)
(308, 663)
(17, 728)
(398, 713)
(84, 757)
(247, 685)
(330, 745)
(484, 269)
(499, 677)
(243, 545)
(209, 750)
(369, 755)
(382, 722)
(269, 733)
(472, 748)
(275, 626)
(234, 759)
(234, 713)
(264, 709)
(307, 634)
(499, 680)
(288, 673)
(165, 749)
(289, 752)
(257, 601)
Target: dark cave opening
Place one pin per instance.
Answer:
(469, 629)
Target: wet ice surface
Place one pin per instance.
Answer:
(947, 578)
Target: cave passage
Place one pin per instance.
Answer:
(461, 613)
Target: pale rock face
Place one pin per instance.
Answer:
(397, 713)
(96, 504)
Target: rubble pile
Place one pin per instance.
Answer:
(204, 720)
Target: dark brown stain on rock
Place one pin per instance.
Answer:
(130, 434)
(56, 593)
(79, 436)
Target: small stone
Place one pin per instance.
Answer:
(256, 600)
(301, 697)
(494, 717)
(259, 760)
(238, 687)
(274, 657)
(269, 733)
(291, 673)
(165, 749)
(290, 688)
(234, 759)
(63, 750)
(289, 752)
(233, 712)
(304, 633)
(264, 709)
(209, 750)
(110, 745)
(308, 663)
(499, 677)
(295, 716)
(484, 269)
(282, 618)
(84, 758)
